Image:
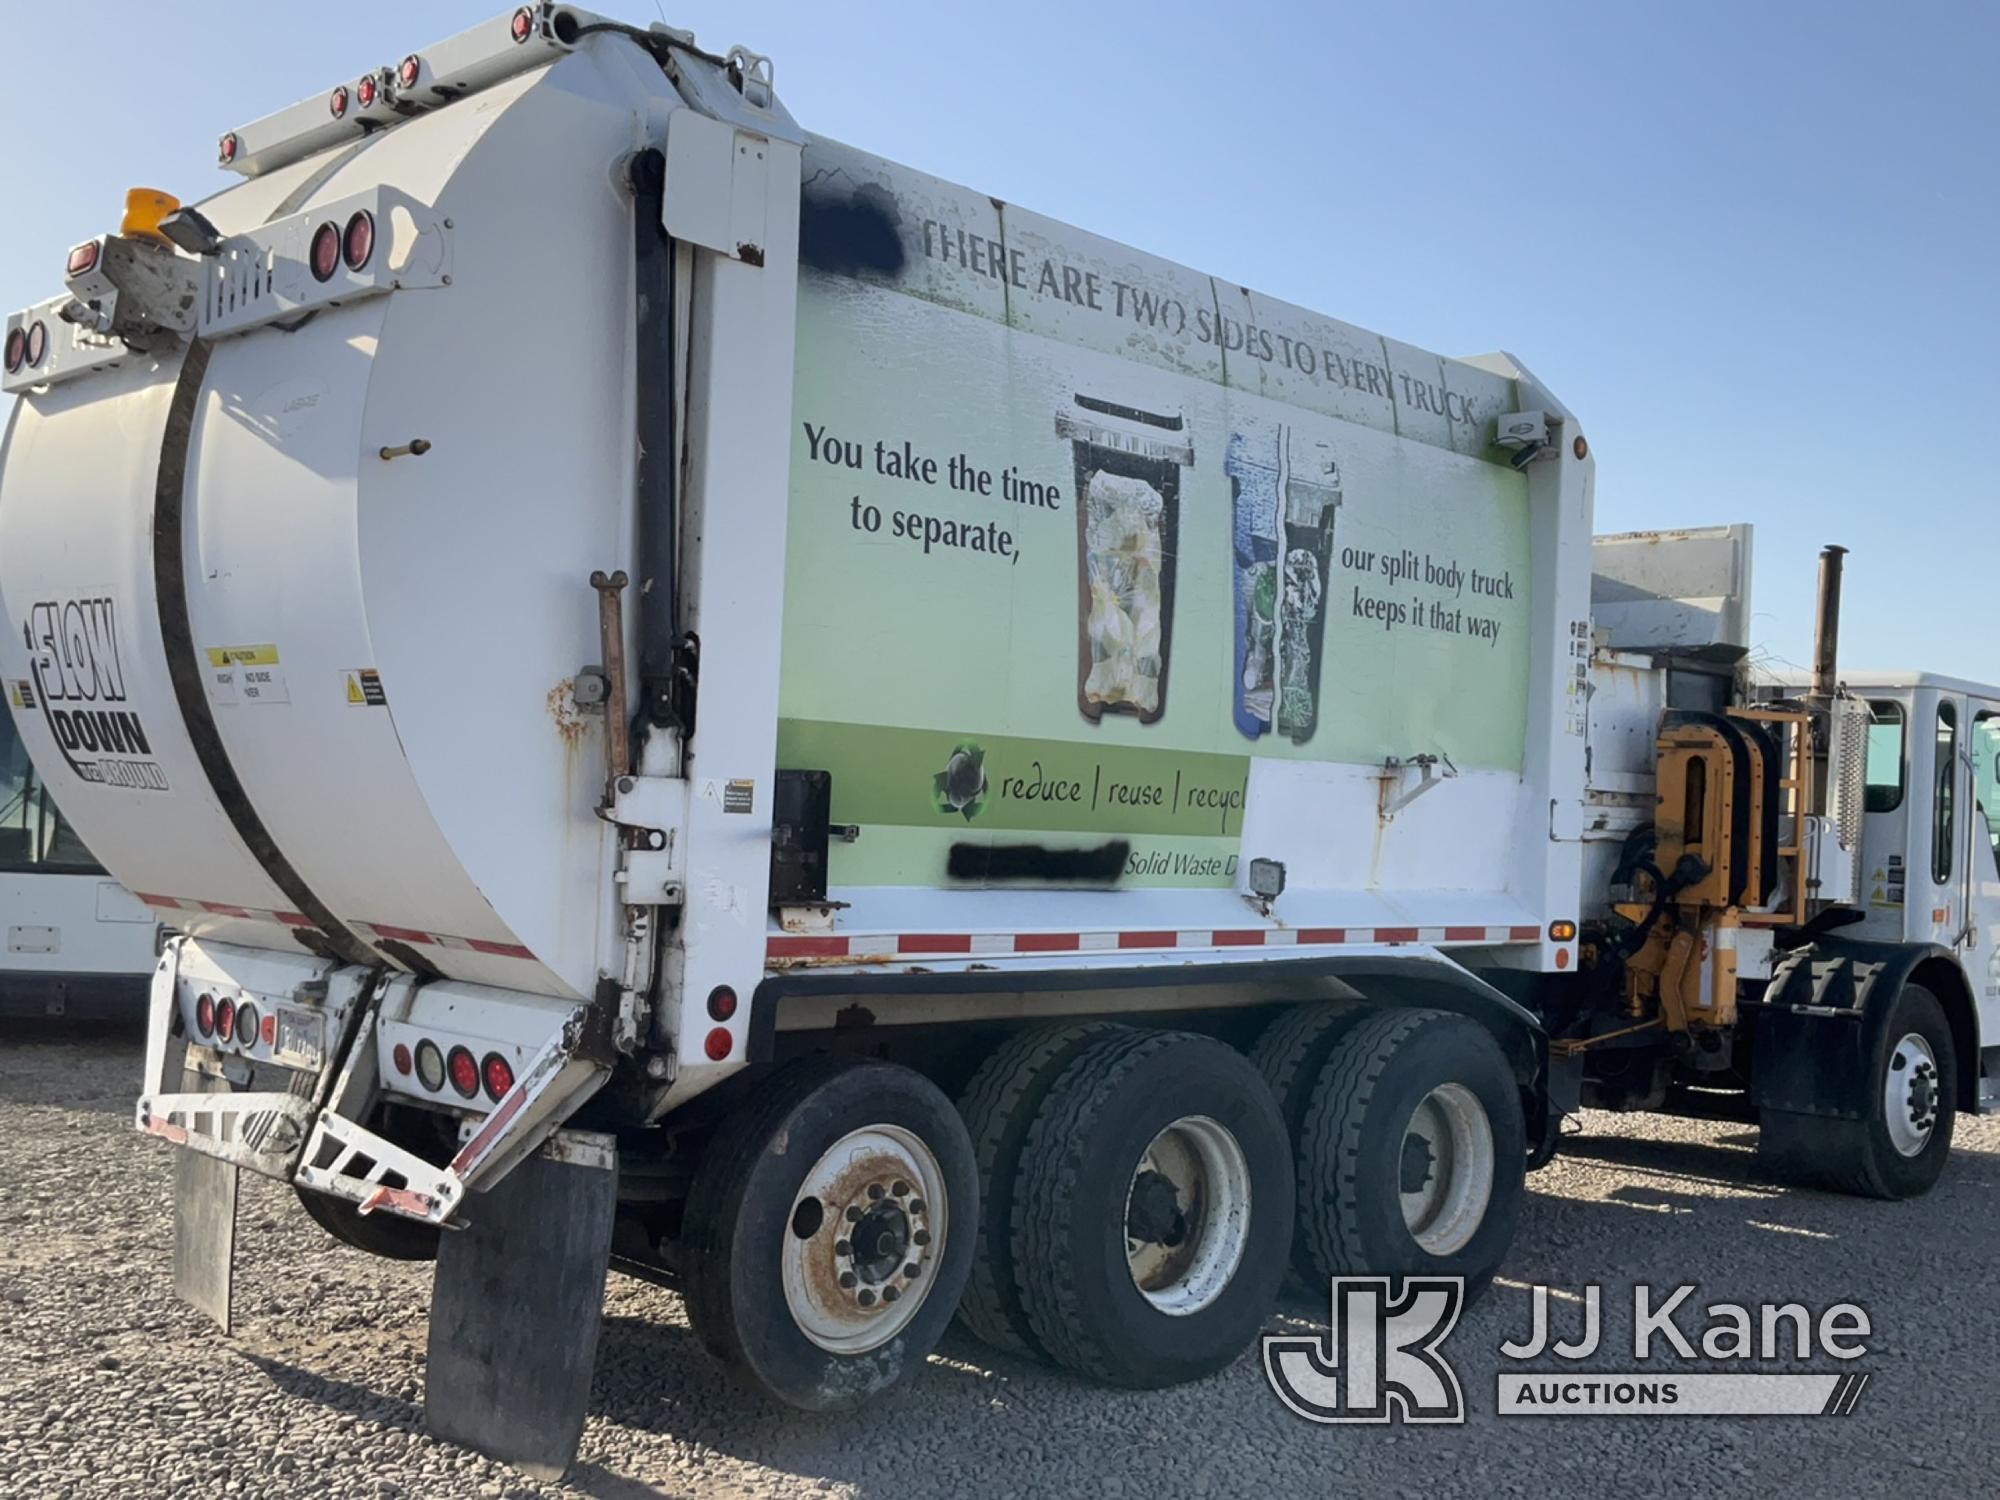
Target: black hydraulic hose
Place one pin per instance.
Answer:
(657, 458)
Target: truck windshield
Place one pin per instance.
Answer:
(34, 836)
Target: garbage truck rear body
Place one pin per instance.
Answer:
(710, 703)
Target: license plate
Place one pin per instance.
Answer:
(301, 1039)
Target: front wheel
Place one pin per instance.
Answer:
(1898, 1148)
(830, 1231)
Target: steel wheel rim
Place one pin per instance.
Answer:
(1910, 1087)
(1187, 1215)
(863, 1238)
(1446, 1169)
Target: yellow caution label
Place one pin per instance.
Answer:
(364, 688)
(243, 656)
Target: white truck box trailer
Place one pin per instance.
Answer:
(710, 703)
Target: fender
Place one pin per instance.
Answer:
(1424, 978)
(1822, 1017)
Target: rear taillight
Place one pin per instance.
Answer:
(464, 1070)
(225, 149)
(246, 1025)
(718, 1044)
(17, 349)
(357, 243)
(38, 342)
(408, 72)
(204, 1015)
(269, 1030)
(721, 1003)
(225, 1019)
(365, 91)
(83, 258)
(430, 1065)
(400, 1056)
(523, 24)
(325, 253)
(336, 102)
(498, 1076)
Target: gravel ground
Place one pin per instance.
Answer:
(108, 1386)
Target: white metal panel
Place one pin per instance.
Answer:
(53, 926)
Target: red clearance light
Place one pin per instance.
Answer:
(204, 1015)
(523, 24)
(365, 91)
(38, 342)
(336, 102)
(358, 242)
(246, 1025)
(325, 253)
(17, 349)
(721, 1003)
(225, 1019)
(499, 1076)
(407, 73)
(464, 1070)
(226, 148)
(83, 258)
(400, 1056)
(718, 1044)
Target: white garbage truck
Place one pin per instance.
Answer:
(710, 704)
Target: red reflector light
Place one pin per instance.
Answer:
(246, 1025)
(408, 71)
(226, 148)
(38, 342)
(365, 91)
(204, 1015)
(325, 254)
(358, 243)
(17, 349)
(336, 102)
(464, 1071)
(269, 1031)
(83, 258)
(721, 1003)
(523, 24)
(718, 1044)
(225, 1019)
(401, 1058)
(498, 1075)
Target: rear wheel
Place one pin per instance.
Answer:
(1898, 1149)
(999, 1106)
(1290, 1054)
(1412, 1154)
(829, 1231)
(1153, 1209)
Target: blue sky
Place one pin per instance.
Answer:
(1755, 247)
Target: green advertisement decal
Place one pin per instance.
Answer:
(1042, 597)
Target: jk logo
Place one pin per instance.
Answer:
(1380, 1362)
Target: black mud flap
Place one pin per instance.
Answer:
(204, 1218)
(516, 1307)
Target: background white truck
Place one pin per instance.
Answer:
(713, 704)
(78, 945)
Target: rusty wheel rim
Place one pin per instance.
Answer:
(1187, 1215)
(863, 1239)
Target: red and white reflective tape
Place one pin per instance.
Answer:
(789, 949)
(371, 932)
(377, 933)
(225, 909)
